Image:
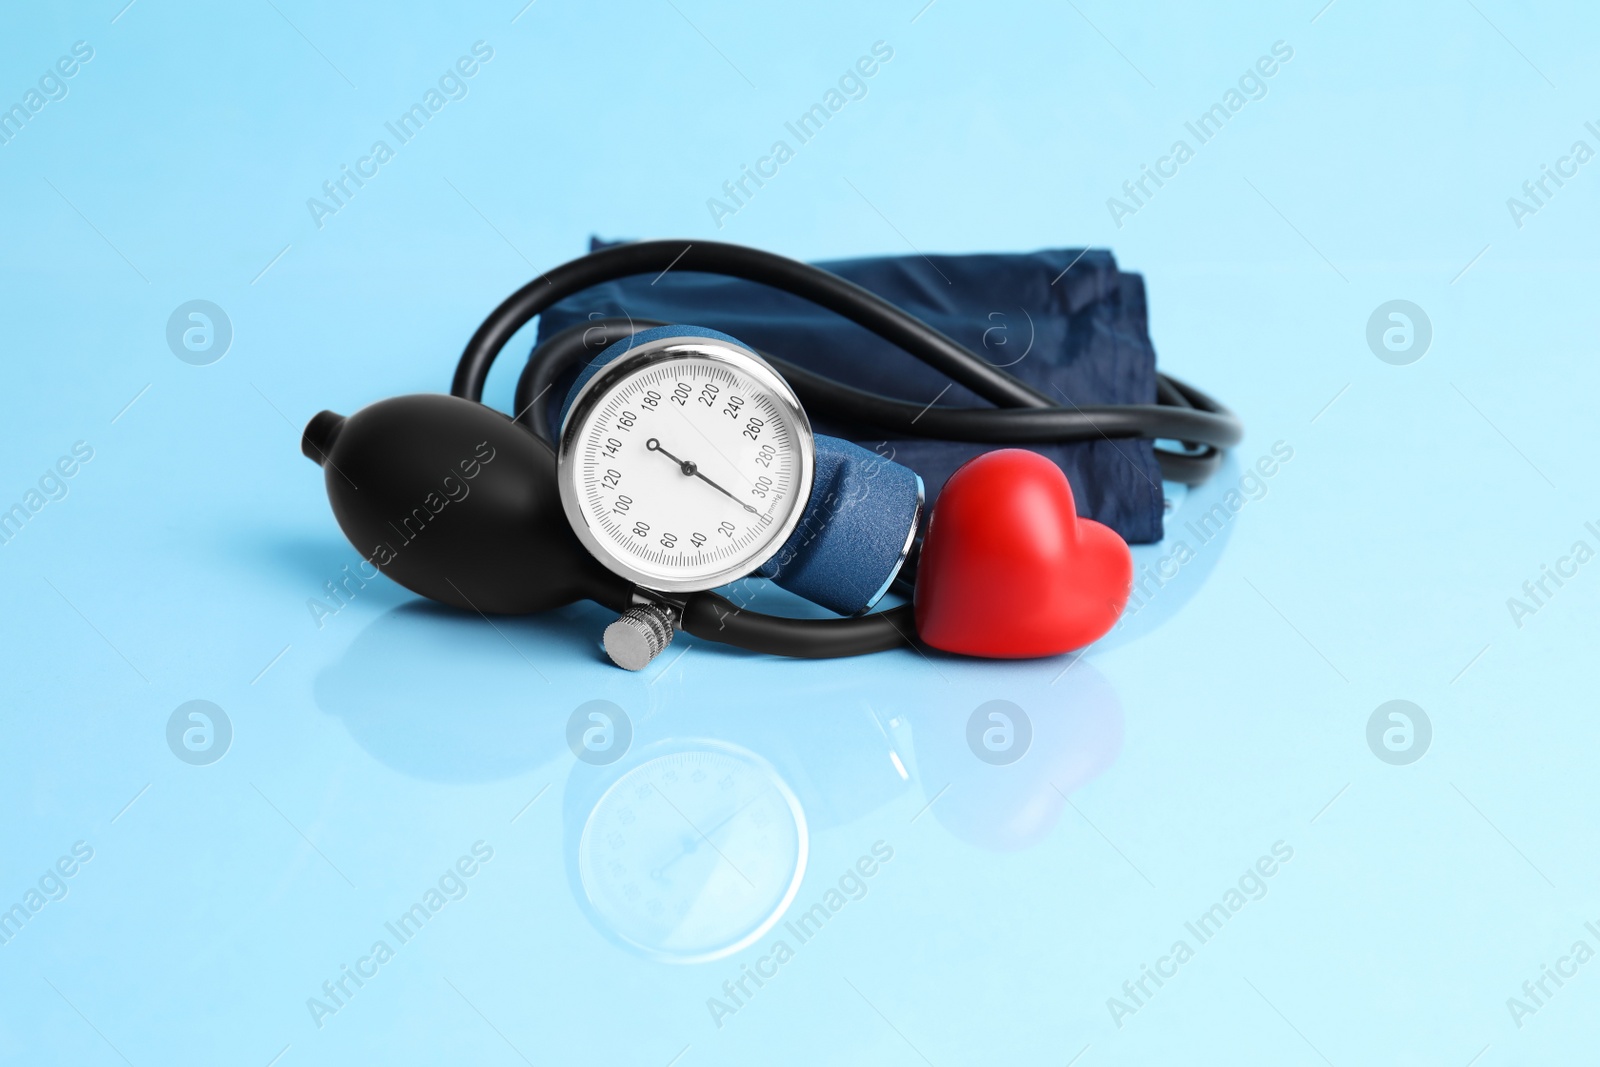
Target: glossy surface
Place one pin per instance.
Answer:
(1391, 536)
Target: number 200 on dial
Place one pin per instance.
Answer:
(685, 463)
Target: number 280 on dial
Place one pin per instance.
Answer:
(685, 463)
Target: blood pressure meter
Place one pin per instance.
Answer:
(685, 463)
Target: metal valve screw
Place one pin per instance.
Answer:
(638, 636)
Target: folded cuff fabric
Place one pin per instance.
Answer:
(1065, 321)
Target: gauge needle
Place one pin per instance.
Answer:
(690, 468)
(690, 845)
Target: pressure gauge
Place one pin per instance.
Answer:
(685, 462)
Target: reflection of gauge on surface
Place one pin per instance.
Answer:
(694, 854)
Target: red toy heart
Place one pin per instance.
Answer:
(1009, 570)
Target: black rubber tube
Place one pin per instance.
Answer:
(554, 356)
(1176, 418)
(716, 618)
(736, 261)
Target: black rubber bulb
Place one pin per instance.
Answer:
(455, 501)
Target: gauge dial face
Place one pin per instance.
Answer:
(694, 855)
(685, 464)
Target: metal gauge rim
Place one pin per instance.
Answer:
(663, 350)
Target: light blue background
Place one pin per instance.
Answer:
(1229, 715)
